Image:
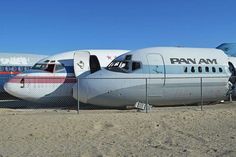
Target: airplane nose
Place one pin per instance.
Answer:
(80, 91)
(12, 86)
(9, 87)
(93, 91)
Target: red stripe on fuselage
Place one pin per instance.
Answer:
(43, 79)
(9, 73)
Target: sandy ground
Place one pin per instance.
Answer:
(169, 131)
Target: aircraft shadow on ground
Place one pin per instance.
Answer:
(14, 103)
(22, 104)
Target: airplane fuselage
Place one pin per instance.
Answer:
(12, 64)
(171, 76)
(51, 80)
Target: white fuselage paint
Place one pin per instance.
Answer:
(54, 87)
(12, 64)
(169, 81)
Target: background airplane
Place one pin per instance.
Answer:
(173, 78)
(51, 80)
(230, 50)
(12, 64)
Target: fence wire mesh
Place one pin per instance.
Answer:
(44, 92)
(171, 91)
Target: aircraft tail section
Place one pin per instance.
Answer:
(228, 48)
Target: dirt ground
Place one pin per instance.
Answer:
(165, 131)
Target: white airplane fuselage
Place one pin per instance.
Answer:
(51, 80)
(174, 76)
(12, 64)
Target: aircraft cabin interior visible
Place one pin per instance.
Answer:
(126, 65)
(50, 66)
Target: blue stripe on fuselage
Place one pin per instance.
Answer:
(69, 69)
(177, 69)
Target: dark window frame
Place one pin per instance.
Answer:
(200, 69)
(213, 69)
(220, 69)
(193, 69)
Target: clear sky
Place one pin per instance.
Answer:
(52, 26)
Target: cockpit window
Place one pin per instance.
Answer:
(126, 65)
(118, 66)
(128, 57)
(136, 65)
(39, 66)
(50, 68)
(45, 67)
(59, 67)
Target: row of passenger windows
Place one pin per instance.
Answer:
(14, 68)
(203, 69)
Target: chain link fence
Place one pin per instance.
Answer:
(3, 94)
(57, 92)
(160, 92)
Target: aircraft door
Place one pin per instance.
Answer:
(156, 75)
(81, 62)
(94, 64)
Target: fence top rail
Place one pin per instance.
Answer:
(141, 78)
(137, 78)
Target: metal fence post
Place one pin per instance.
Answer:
(230, 98)
(201, 95)
(78, 95)
(146, 95)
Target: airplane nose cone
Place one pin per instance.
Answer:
(80, 91)
(93, 91)
(7, 87)
(12, 86)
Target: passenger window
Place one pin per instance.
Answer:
(200, 69)
(207, 69)
(6, 69)
(25, 68)
(135, 66)
(19, 69)
(220, 70)
(14, 69)
(186, 69)
(10, 68)
(193, 70)
(213, 69)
